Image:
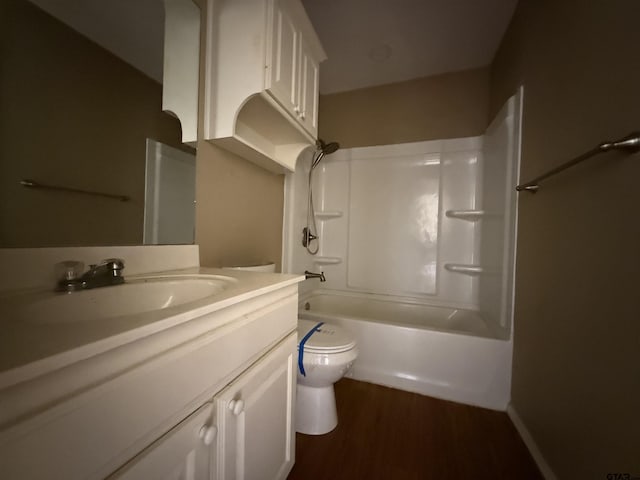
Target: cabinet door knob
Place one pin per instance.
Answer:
(236, 406)
(208, 434)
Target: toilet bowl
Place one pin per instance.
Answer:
(328, 351)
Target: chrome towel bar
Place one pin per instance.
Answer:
(33, 184)
(629, 144)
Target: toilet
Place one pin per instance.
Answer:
(263, 268)
(328, 351)
(325, 354)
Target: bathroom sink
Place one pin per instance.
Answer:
(140, 295)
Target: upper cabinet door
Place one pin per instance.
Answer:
(282, 74)
(309, 84)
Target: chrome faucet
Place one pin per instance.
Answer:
(107, 272)
(308, 275)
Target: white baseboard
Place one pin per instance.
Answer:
(528, 440)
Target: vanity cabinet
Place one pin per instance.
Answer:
(245, 433)
(183, 453)
(261, 80)
(208, 398)
(255, 419)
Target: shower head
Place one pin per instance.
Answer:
(330, 148)
(323, 149)
(327, 148)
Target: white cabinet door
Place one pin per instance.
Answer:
(308, 85)
(282, 75)
(183, 453)
(292, 71)
(255, 419)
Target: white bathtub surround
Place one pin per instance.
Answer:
(406, 228)
(498, 228)
(379, 219)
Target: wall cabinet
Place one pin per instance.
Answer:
(292, 70)
(283, 63)
(309, 89)
(262, 77)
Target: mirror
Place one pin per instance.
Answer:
(81, 100)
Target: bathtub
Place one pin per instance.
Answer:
(447, 353)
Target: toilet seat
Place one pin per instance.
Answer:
(326, 340)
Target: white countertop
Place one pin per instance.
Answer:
(31, 349)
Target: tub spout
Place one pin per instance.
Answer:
(308, 275)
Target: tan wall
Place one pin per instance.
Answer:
(576, 374)
(238, 211)
(74, 115)
(443, 106)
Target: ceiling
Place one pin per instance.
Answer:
(368, 42)
(131, 30)
(374, 42)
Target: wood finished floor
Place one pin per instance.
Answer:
(385, 433)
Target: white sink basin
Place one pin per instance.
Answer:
(141, 295)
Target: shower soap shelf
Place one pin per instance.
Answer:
(328, 215)
(470, 215)
(327, 260)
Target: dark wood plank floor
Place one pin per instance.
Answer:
(385, 433)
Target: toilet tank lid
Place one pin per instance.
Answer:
(264, 268)
(327, 339)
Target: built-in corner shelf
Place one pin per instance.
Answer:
(327, 214)
(327, 260)
(470, 215)
(465, 269)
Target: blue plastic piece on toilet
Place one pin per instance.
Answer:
(301, 346)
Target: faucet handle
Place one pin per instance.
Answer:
(113, 264)
(68, 270)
